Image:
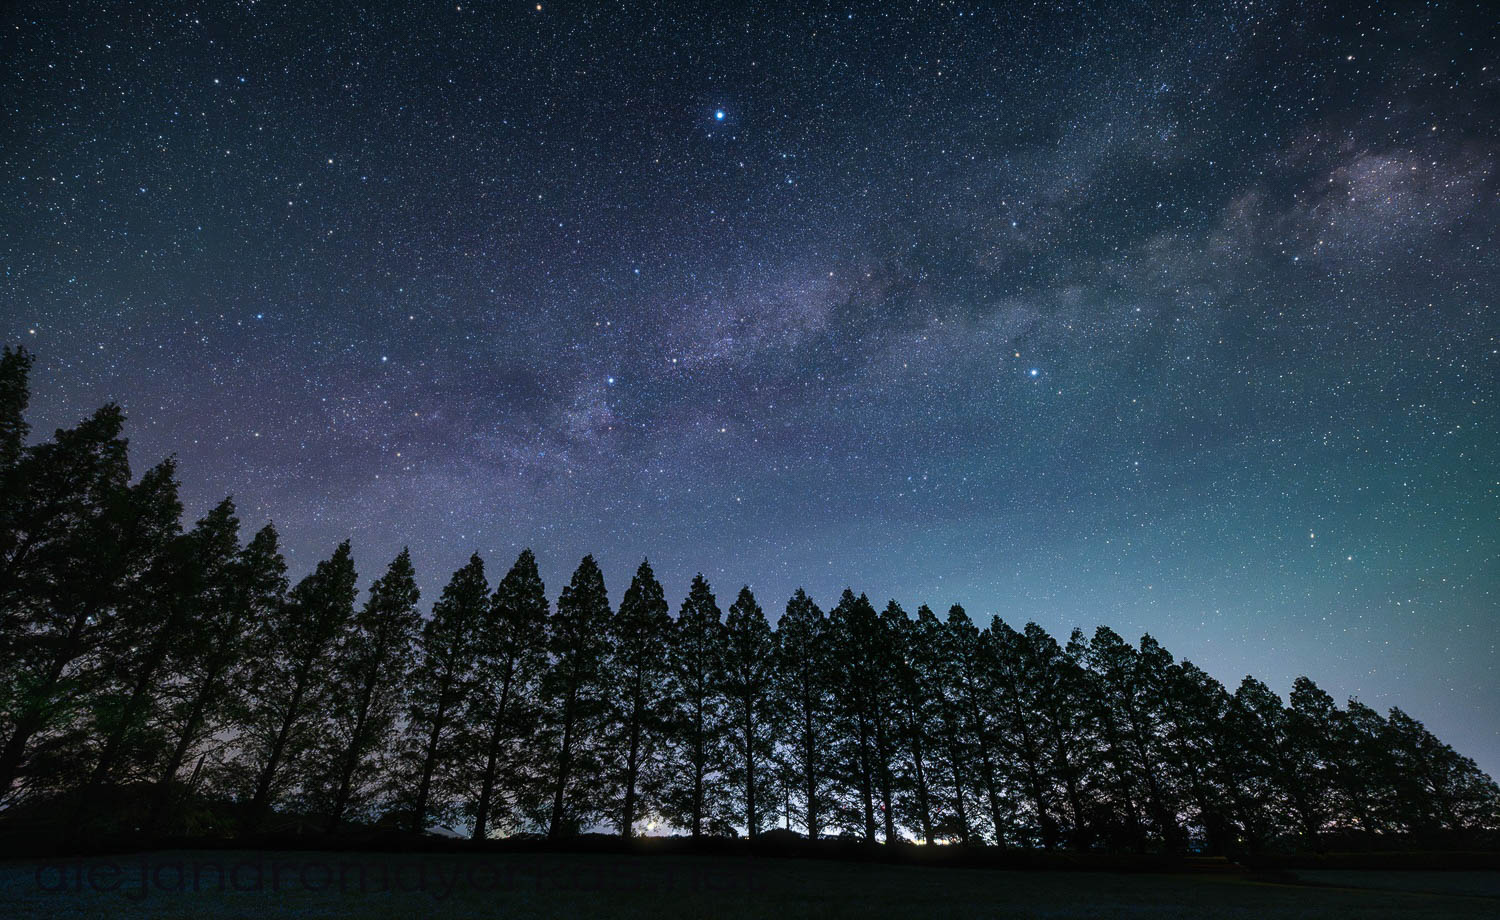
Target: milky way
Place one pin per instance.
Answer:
(1176, 319)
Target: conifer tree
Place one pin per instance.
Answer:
(1196, 708)
(802, 693)
(574, 692)
(914, 720)
(130, 650)
(289, 680)
(1016, 688)
(156, 621)
(1068, 734)
(880, 649)
(749, 716)
(438, 688)
(503, 706)
(693, 794)
(15, 394)
(1278, 799)
(973, 669)
(1121, 702)
(638, 671)
(861, 757)
(1367, 769)
(248, 589)
(1312, 733)
(15, 370)
(937, 669)
(71, 547)
(1151, 712)
(369, 688)
(149, 612)
(1439, 789)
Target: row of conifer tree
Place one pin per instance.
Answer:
(179, 670)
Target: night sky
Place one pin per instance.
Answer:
(1180, 320)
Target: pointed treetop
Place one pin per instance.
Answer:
(398, 584)
(586, 577)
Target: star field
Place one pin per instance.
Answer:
(1175, 318)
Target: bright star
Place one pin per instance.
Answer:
(609, 380)
(718, 115)
(1034, 372)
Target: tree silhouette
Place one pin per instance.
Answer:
(1017, 687)
(15, 394)
(751, 729)
(915, 720)
(1365, 768)
(936, 668)
(973, 670)
(151, 614)
(439, 685)
(802, 695)
(1121, 708)
(693, 796)
(1058, 687)
(857, 661)
(1197, 706)
(369, 690)
(15, 370)
(503, 707)
(136, 657)
(246, 589)
(1437, 788)
(70, 545)
(290, 679)
(638, 669)
(574, 691)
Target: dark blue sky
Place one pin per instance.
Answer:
(1176, 319)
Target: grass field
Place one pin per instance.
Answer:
(401, 886)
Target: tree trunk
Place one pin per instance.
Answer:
(261, 800)
(632, 759)
(960, 810)
(117, 736)
(424, 784)
(698, 757)
(987, 762)
(751, 824)
(866, 780)
(884, 766)
(924, 807)
(809, 772)
(632, 775)
(492, 759)
(33, 717)
(196, 714)
(564, 765)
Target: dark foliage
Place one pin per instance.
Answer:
(156, 681)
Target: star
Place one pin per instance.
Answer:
(838, 280)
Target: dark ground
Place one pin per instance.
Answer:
(312, 883)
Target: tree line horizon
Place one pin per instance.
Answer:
(172, 680)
